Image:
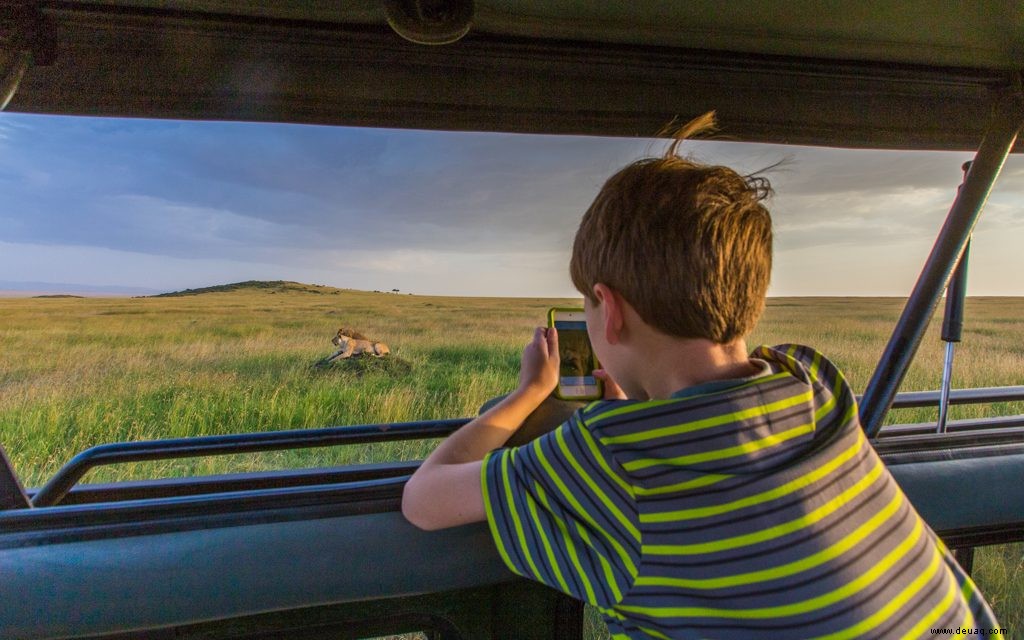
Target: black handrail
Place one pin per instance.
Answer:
(53, 491)
(234, 482)
(107, 454)
(978, 395)
(1001, 424)
(12, 494)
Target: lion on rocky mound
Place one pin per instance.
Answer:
(352, 343)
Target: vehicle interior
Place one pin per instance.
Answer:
(253, 555)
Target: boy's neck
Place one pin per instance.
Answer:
(667, 365)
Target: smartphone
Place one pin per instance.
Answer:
(576, 379)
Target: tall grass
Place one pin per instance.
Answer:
(79, 372)
(75, 373)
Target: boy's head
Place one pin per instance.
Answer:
(688, 245)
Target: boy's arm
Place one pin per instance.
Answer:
(446, 490)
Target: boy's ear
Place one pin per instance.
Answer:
(610, 304)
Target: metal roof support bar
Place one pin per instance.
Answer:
(949, 246)
(26, 38)
(13, 66)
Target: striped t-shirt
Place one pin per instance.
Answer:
(737, 509)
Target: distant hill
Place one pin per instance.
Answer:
(270, 286)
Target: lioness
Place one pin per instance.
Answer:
(352, 343)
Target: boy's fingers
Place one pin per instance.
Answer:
(541, 342)
(552, 341)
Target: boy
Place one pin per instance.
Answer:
(713, 494)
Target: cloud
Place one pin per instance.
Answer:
(163, 186)
(9, 126)
(402, 204)
(852, 217)
(832, 197)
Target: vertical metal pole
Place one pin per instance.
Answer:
(947, 376)
(952, 328)
(953, 324)
(899, 352)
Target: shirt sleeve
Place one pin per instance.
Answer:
(562, 512)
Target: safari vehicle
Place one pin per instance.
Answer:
(325, 553)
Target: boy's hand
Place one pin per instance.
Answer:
(612, 391)
(538, 371)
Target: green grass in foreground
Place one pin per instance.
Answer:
(77, 372)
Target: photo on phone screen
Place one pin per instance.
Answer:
(576, 373)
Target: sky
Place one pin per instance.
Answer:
(138, 206)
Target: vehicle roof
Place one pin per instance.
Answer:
(911, 74)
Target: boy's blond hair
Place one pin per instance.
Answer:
(688, 245)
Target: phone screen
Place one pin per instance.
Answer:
(576, 373)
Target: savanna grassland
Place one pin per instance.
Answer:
(77, 372)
